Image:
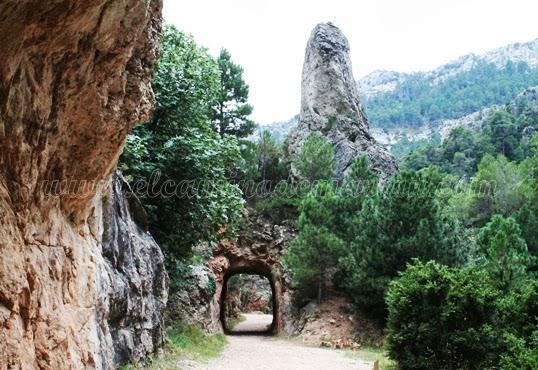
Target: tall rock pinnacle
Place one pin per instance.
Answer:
(330, 105)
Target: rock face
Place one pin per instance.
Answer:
(196, 302)
(135, 288)
(81, 280)
(248, 293)
(257, 250)
(330, 105)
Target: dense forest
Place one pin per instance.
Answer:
(443, 255)
(417, 100)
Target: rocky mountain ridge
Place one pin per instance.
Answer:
(380, 81)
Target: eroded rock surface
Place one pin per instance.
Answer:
(136, 285)
(330, 105)
(195, 302)
(74, 79)
(258, 250)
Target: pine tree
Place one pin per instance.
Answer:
(316, 159)
(503, 133)
(403, 222)
(505, 253)
(316, 249)
(270, 166)
(231, 111)
(359, 184)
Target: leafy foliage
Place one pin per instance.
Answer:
(442, 318)
(497, 188)
(179, 158)
(265, 161)
(518, 318)
(450, 318)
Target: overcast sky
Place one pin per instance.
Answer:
(268, 38)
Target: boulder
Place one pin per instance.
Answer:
(195, 302)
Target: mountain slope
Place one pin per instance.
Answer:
(381, 81)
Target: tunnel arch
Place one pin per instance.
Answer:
(257, 251)
(274, 328)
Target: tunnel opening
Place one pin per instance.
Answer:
(249, 304)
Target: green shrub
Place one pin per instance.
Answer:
(518, 318)
(521, 354)
(442, 318)
(192, 341)
(182, 342)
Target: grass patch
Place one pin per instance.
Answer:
(233, 321)
(193, 342)
(372, 354)
(184, 342)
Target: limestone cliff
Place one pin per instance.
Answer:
(81, 281)
(330, 105)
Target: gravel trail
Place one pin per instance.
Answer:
(250, 352)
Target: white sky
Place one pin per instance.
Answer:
(268, 38)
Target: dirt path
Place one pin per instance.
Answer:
(269, 353)
(250, 352)
(253, 322)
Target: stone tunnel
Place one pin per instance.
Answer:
(274, 328)
(259, 252)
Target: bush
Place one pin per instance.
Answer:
(522, 354)
(442, 318)
(518, 318)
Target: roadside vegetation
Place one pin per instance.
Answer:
(373, 354)
(184, 342)
(232, 322)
